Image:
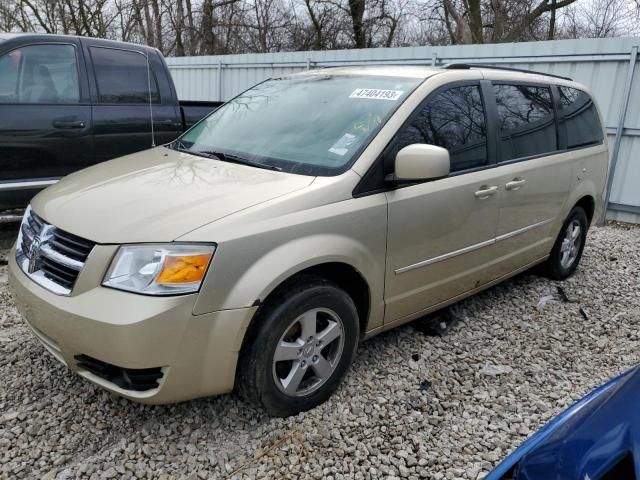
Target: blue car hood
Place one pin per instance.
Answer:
(597, 437)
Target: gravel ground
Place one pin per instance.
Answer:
(416, 406)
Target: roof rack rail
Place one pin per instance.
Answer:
(466, 66)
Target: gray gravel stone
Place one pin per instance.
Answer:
(413, 406)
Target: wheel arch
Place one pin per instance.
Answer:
(588, 204)
(342, 274)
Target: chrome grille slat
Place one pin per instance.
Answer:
(64, 249)
(60, 280)
(51, 257)
(47, 251)
(74, 240)
(49, 265)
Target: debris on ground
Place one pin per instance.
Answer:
(545, 300)
(495, 370)
(437, 323)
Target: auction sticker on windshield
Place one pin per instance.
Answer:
(341, 147)
(376, 94)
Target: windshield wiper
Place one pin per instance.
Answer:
(178, 145)
(229, 157)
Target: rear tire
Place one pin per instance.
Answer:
(567, 250)
(301, 348)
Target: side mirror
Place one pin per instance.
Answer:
(419, 162)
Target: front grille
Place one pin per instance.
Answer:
(136, 379)
(50, 256)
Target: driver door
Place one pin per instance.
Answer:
(441, 234)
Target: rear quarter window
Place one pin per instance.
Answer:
(579, 117)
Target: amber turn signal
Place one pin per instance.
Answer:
(184, 269)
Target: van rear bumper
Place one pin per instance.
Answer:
(148, 349)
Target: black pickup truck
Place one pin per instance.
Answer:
(68, 102)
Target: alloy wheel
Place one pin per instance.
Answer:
(571, 244)
(308, 352)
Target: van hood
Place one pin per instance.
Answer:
(157, 196)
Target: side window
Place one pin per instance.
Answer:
(9, 65)
(580, 118)
(526, 122)
(123, 77)
(40, 74)
(453, 119)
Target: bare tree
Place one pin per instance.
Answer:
(473, 21)
(605, 18)
(198, 27)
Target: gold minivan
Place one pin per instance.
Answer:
(308, 213)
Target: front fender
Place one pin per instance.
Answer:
(278, 264)
(260, 248)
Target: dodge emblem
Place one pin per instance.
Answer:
(35, 248)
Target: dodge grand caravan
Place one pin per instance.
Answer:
(308, 213)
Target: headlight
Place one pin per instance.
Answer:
(167, 269)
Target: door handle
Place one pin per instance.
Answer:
(515, 184)
(486, 192)
(167, 122)
(69, 124)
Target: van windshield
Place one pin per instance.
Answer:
(311, 125)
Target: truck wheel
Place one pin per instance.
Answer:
(303, 345)
(567, 251)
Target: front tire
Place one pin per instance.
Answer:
(567, 250)
(301, 349)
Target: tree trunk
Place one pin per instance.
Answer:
(317, 27)
(356, 9)
(179, 24)
(157, 18)
(475, 21)
(192, 29)
(552, 21)
(463, 29)
(208, 39)
(149, 28)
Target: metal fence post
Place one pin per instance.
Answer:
(220, 80)
(434, 59)
(633, 57)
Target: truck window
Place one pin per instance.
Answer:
(122, 76)
(453, 119)
(44, 74)
(580, 117)
(526, 121)
(9, 64)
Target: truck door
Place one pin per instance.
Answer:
(45, 114)
(124, 86)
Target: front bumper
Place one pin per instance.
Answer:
(196, 354)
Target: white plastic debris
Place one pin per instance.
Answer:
(495, 370)
(544, 300)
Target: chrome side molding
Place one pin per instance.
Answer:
(471, 248)
(522, 230)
